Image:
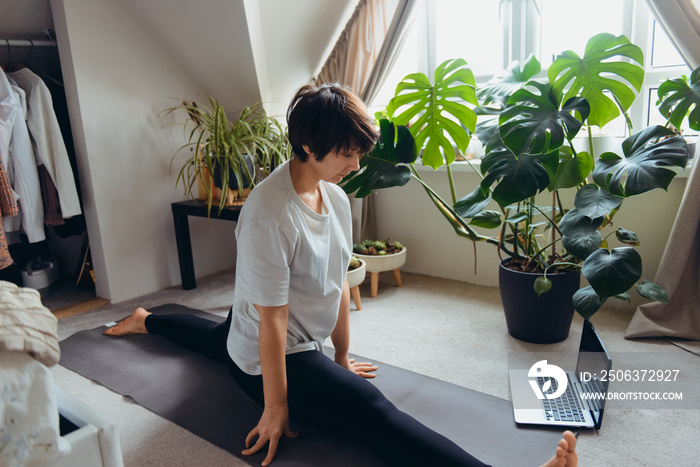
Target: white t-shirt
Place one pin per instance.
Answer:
(288, 254)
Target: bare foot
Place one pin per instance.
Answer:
(566, 452)
(134, 324)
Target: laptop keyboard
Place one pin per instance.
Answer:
(591, 387)
(565, 408)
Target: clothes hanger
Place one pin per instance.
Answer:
(11, 65)
(33, 67)
(6, 64)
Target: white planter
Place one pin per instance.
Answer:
(357, 275)
(377, 264)
(384, 262)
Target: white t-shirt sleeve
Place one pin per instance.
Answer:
(265, 252)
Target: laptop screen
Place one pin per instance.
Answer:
(593, 366)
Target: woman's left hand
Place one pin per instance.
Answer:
(360, 368)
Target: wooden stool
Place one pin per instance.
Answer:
(374, 282)
(355, 278)
(355, 292)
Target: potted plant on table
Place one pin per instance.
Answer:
(228, 157)
(529, 149)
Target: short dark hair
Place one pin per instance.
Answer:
(326, 118)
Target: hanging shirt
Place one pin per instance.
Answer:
(49, 146)
(288, 254)
(8, 208)
(20, 165)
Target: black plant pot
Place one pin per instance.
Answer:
(232, 181)
(541, 320)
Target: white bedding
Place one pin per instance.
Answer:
(29, 433)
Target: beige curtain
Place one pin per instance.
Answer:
(679, 271)
(681, 21)
(354, 55)
(361, 59)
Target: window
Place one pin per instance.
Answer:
(479, 42)
(560, 33)
(663, 52)
(489, 34)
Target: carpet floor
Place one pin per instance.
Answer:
(445, 329)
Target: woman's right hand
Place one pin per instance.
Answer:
(273, 423)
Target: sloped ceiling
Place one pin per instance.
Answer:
(262, 49)
(229, 45)
(298, 36)
(210, 38)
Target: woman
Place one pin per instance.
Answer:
(294, 244)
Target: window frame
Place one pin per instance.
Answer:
(521, 36)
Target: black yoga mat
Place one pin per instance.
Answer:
(198, 394)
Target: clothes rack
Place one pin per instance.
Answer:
(28, 43)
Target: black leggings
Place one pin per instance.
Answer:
(324, 394)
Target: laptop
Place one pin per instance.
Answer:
(544, 394)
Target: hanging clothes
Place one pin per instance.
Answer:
(17, 156)
(8, 207)
(49, 147)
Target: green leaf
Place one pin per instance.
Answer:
(486, 219)
(648, 154)
(499, 88)
(517, 217)
(587, 302)
(627, 236)
(533, 123)
(440, 110)
(677, 100)
(612, 272)
(594, 202)
(517, 179)
(603, 69)
(542, 285)
(652, 291)
(623, 296)
(574, 223)
(473, 203)
(582, 245)
(380, 168)
(487, 132)
(572, 169)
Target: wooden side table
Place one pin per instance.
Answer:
(198, 208)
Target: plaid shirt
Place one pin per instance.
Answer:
(8, 208)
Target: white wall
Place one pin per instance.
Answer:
(291, 40)
(406, 214)
(118, 79)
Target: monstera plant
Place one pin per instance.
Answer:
(528, 127)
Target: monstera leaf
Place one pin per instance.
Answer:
(439, 107)
(487, 131)
(503, 85)
(648, 154)
(473, 203)
(533, 123)
(380, 168)
(612, 272)
(676, 98)
(594, 202)
(572, 170)
(575, 223)
(587, 302)
(518, 179)
(580, 235)
(589, 77)
(652, 291)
